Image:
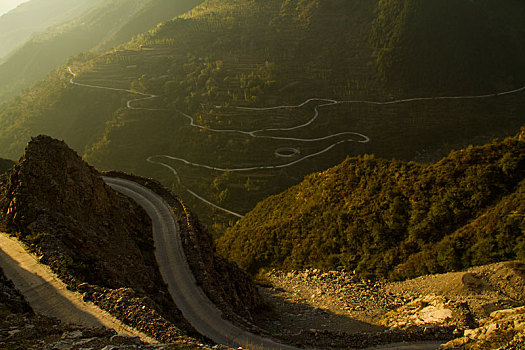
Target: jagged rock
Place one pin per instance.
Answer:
(95, 239)
(61, 206)
(428, 310)
(502, 329)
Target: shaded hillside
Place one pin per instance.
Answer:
(107, 23)
(450, 45)
(5, 165)
(381, 218)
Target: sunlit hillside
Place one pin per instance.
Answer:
(104, 24)
(387, 218)
(34, 16)
(9, 5)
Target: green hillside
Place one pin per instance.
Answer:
(108, 23)
(387, 218)
(148, 16)
(249, 97)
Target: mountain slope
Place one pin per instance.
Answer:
(450, 45)
(390, 218)
(106, 23)
(302, 74)
(152, 13)
(34, 16)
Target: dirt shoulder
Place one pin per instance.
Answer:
(49, 296)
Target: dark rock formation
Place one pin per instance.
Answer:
(5, 165)
(59, 205)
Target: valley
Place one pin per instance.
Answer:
(306, 309)
(274, 174)
(232, 96)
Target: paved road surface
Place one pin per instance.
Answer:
(189, 298)
(48, 295)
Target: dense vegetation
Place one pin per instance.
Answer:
(249, 53)
(387, 218)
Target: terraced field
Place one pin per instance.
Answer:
(226, 158)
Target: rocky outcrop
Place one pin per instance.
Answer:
(58, 204)
(100, 242)
(504, 329)
(430, 310)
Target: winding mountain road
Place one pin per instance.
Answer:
(317, 103)
(202, 314)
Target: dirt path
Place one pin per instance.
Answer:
(48, 295)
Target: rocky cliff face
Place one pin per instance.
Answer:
(60, 206)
